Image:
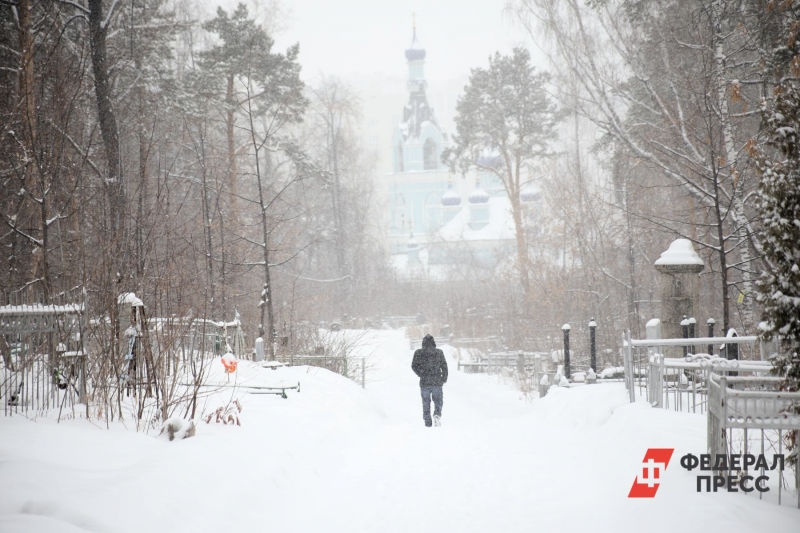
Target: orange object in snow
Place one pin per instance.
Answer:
(229, 364)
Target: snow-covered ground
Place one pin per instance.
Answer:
(336, 458)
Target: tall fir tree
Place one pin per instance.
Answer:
(779, 205)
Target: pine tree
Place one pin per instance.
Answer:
(779, 206)
(505, 120)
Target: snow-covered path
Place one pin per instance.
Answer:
(336, 458)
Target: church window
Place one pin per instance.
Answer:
(399, 158)
(399, 217)
(431, 155)
(433, 212)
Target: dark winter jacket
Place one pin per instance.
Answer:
(429, 364)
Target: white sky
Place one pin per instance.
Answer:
(366, 37)
(362, 42)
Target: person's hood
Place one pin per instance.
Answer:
(428, 342)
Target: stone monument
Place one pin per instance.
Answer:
(679, 267)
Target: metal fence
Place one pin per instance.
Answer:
(747, 414)
(492, 342)
(342, 365)
(492, 362)
(54, 357)
(745, 409)
(680, 383)
(43, 362)
(336, 364)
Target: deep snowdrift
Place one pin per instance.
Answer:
(337, 458)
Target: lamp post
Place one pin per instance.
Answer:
(565, 328)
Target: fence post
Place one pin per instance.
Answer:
(624, 350)
(692, 329)
(629, 371)
(663, 399)
(685, 330)
(592, 345)
(732, 350)
(723, 416)
(566, 328)
(711, 323)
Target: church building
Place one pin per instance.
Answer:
(441, 224)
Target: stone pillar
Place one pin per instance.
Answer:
(653, 331)
(679, 267)
(260, 349)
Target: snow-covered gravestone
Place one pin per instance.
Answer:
(129, 305)
(544, 386)
(259, 349)
(679, 267)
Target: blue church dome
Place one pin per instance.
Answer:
(415, 52)
(451, 197)
(478, 196)
(489, 161)
(529, 194)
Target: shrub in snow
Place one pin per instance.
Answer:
(177, 427)
(563, 382)
(226, 414)
(612, 373)
(779, 205)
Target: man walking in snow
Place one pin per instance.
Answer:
(430, 365)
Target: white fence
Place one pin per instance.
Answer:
(682, 384)
(747, 413)
(679, 383)
(746, 410)
(492, 362)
